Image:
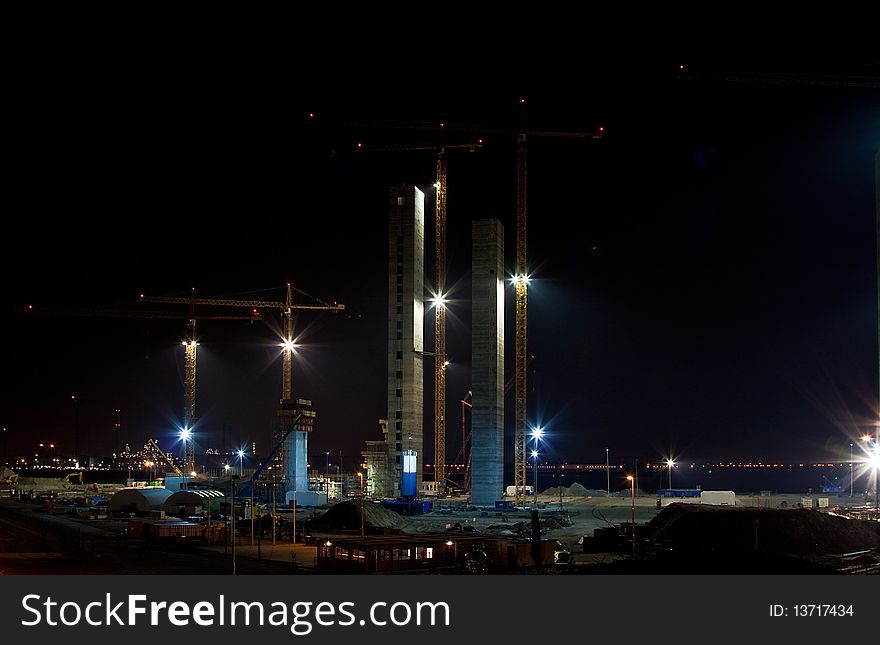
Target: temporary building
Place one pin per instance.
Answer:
(139, 500)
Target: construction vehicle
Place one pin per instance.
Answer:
(78, 474)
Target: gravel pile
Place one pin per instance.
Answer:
(347, 516)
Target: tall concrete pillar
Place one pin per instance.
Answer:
(487, 362)
(406, 288)
(296, 446)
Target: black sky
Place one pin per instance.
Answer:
(704, 278)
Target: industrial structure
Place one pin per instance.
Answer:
(375, 460)
(406, 269)
(487, 362)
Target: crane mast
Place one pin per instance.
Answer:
(287, 365)
(521, 319)
(440, 326)
(190, 347)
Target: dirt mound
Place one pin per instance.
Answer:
(347, 516)
(795, 532)
(575, 490)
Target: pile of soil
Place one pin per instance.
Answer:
(347, 516)
(790, 532)
(575, 490)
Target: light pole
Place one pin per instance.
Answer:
(669, 465)
(632, 482)
(185, 435)
(873, 461)
(234, 480)
(535, 457)
(850, 469)
(537, 433)
(240, 463)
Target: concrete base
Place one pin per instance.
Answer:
(306, 498)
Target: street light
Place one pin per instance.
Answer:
(537, 433)
(185, 435)
(874, 464)
(240, 462)
(669, 465)
(535, 457)
(234, 480)
(632, 481)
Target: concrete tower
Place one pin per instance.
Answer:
(296, 448)
(487, 362)
(406, 270)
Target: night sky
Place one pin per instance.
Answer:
(704, 278)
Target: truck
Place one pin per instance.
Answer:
(511, 490)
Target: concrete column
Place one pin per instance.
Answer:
(487, 362)
(406, 288)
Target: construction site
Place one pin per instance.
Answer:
(446, 479)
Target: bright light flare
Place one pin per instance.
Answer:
(629, 478)
(185, 434)
(521, 279)
(289, 346)
(240, 453)
(439, 300)
(670, 463)
(538, 432)
(534, 454)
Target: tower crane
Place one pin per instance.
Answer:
(521, 277)
(286, 307)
